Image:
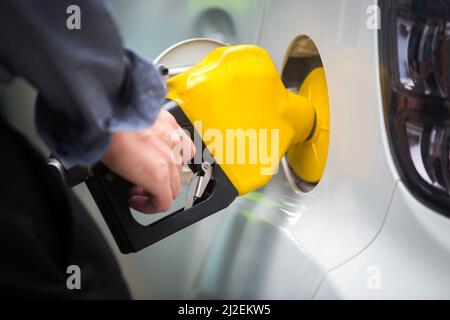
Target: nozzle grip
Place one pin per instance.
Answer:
(110, 193)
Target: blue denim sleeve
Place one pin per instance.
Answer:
(83, 136)
(88, 83)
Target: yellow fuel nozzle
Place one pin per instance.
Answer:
(300, 114)
(237, 89)
(236, 103)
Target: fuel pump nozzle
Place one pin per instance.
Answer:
(232, 88)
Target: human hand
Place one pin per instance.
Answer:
(152, 159)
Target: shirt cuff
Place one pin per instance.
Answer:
(134, 107)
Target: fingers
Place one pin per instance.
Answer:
(153, 160)
(181, 142)
(158, 203)
(138, 190)
(143, 201)
(161, 182)
(140, 203)
(159, 198)
(188, 150)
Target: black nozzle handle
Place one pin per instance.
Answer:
(110, 193)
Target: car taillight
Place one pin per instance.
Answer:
(414, 51)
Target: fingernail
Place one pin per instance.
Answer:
(175, 137)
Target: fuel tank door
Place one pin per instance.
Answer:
(303, 73)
